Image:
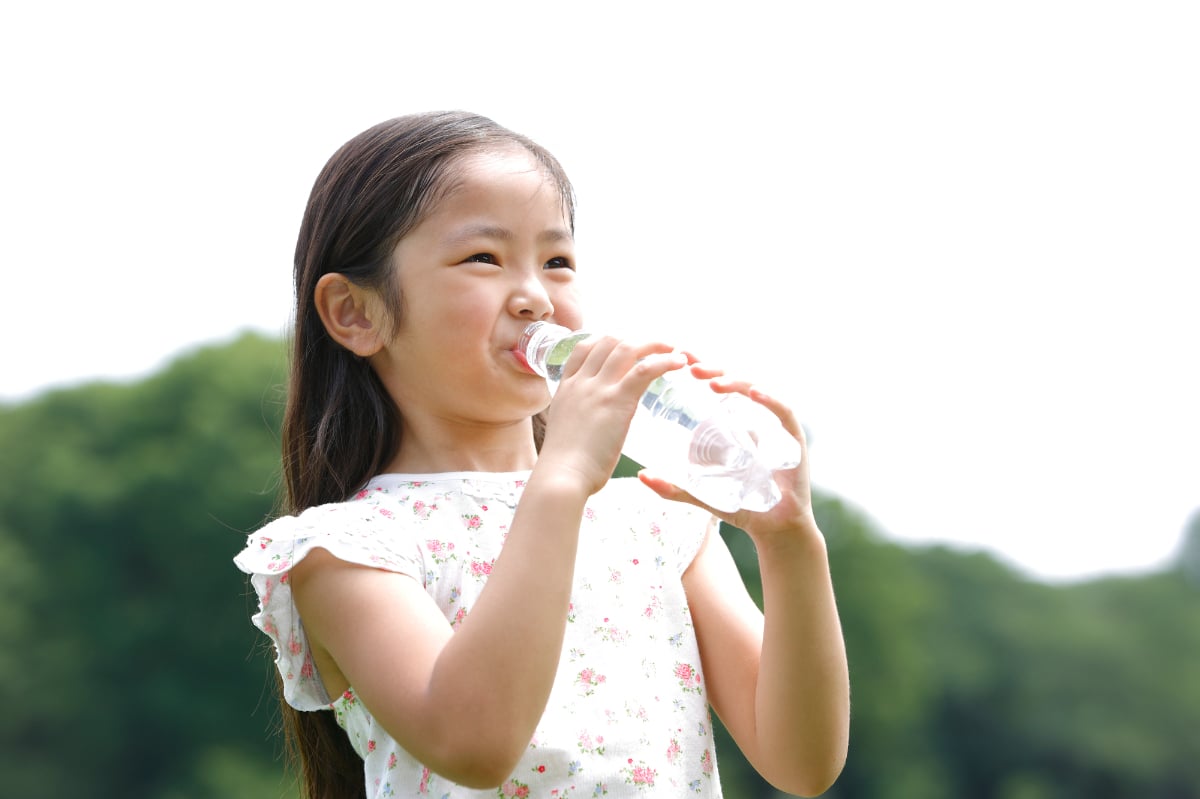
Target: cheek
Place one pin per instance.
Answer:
(567, 309)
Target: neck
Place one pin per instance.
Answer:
(431, 449)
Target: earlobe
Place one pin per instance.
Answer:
(348, 312)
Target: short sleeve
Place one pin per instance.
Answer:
(364, 533)
(691, 526)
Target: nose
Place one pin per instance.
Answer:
(530, 299)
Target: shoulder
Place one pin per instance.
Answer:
(366, 531)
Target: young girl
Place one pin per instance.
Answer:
(464, 604)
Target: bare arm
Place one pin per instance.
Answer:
(778, 679)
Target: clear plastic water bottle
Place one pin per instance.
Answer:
(722, 448)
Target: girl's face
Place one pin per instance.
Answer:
(494, 254)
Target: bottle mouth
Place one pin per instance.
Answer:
(522, 348)
(536, 342)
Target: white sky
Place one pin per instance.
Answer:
(962, 239)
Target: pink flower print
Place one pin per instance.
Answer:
(421, 510)
(439, 550)
(424, 786)
(673, 751)
(386, 513)
(689, 678)
(306, 670)
(481, 568)
(361, 494)
(458, 617)
(706, 763)
(655, 530)
(653, 608)
(513, 788)
(294, 646)
(588, 513)
(370, 746)
(644, 775)
(588, 680)
(283, 578)
(611, 633)
(614, 576)
(640, 775)
(391, 764)
(263, 542)
(472, 521)
(589, 745)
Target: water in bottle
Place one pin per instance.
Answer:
(722, 448)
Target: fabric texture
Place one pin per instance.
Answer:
(628, 714)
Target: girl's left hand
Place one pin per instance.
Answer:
(794, 511)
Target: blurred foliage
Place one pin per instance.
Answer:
(129, 667)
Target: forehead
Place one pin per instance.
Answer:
(488, 166)
(504, 175)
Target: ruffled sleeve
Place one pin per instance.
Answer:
(364, 533)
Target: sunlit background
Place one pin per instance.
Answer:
(961, 238)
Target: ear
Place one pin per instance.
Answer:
(350, 313)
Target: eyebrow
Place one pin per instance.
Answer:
(485, 231)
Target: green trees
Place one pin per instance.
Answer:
(128, 666)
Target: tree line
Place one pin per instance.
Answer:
(129, 667)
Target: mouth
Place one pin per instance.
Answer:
(519, 354)
(521, 359)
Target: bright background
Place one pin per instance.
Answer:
(961, 238)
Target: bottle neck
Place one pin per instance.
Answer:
(545, 347)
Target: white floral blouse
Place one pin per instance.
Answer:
(628, 714)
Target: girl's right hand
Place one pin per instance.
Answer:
(589, 417)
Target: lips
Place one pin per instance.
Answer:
(521, 359)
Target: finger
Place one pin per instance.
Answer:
(704, 372)
(725, 385)
(592, 350)
(668, 490)
(787, 416)
(652, 366)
